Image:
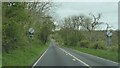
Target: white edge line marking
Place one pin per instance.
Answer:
(97, 57)
(39, 58)
(75, 58)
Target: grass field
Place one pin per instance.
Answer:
(100, 53)
(23, 56)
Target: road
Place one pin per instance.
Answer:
(57, 56)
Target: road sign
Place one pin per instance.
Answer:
(109, 33)
(31, 30)
(31, 33)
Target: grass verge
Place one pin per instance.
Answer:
(0, 60)
(24, 56)
(110, 55)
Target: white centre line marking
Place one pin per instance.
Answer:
(39, 59)
(76, 58)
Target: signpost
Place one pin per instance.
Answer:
(109, 35)
(31, 32)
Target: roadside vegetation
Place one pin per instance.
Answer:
(26, 56)
(0, 60)
(81, 33)
(17, 17)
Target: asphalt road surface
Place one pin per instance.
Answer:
(57, 56)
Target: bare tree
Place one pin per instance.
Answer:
(40, 7)
(95, 20)
(90, 23)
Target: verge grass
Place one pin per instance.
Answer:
(107, 54)
(24, 56)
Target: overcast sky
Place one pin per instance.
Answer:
(109, 10)
(85, 0)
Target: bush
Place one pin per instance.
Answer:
(84, 43)
(98, 45)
